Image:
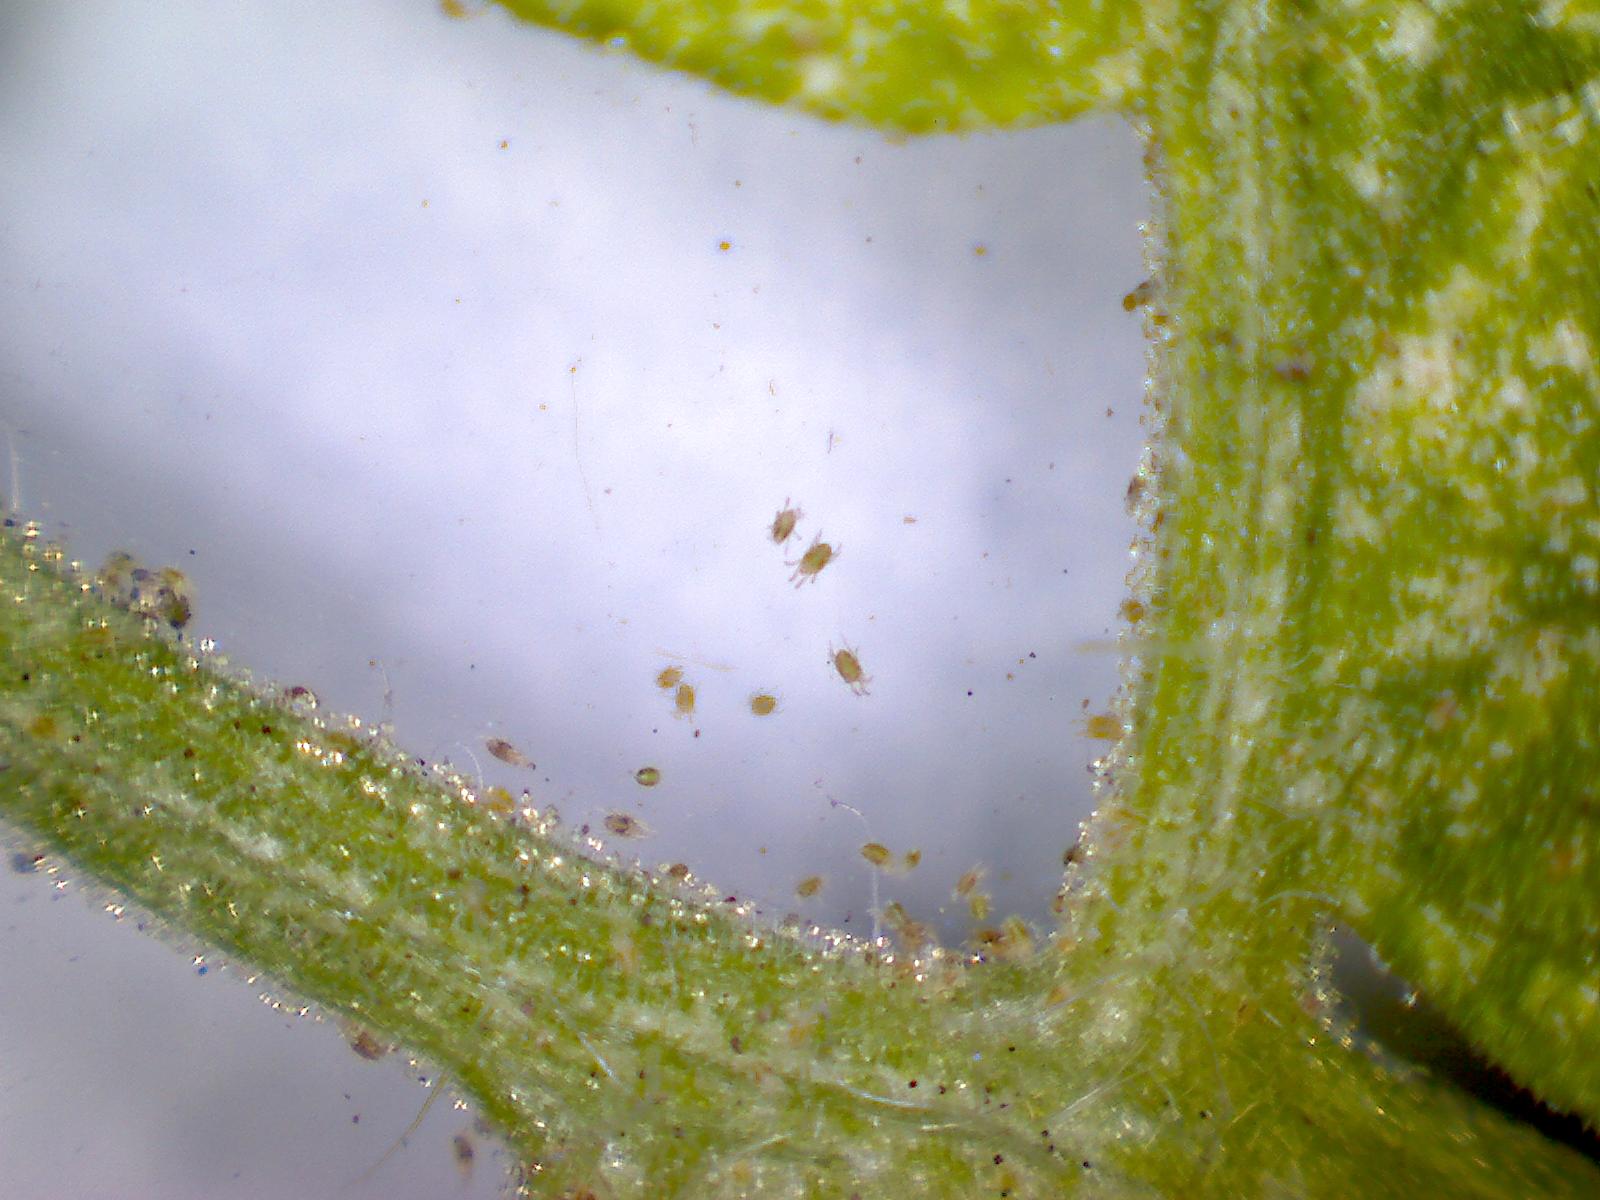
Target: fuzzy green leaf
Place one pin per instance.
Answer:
(894, 63)
(1378, 574)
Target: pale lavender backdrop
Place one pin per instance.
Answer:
(292, 295)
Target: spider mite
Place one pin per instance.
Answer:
(969, 881)
(365, 1043)
(683, 704)
(911, 934)
(507, 753)
(669, 678)
(876, 853)
(162, 595)
(1106, 727)
(848, 666)
(818, 555)
(782, 527)
(763, 704)
(465, 1154)
(623, 825)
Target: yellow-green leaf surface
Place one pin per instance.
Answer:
(895, 63)
(1377, 566)
(1363, 686)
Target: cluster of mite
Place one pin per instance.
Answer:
(846, 664)
(761, 704)
(163, 595)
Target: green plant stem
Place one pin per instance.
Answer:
(626, 1032)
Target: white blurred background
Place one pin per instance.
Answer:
(462, 368)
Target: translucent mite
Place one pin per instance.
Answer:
(1104, 726)
(507, 753)
(624, 825)
(818, 555)
(464, 1152)
(848, 665)
(1012, 942)
(782, 528)
(911, 934)
(162, 595)
(366, 1044)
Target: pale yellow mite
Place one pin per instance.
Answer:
(876, 853)
(782, 528)
(818, 555)
(669, 678)
(848, 665)
(808, 887)
(1104, 726)
(1012, 942)
(647, 776)
(684, 704)
(763, 704)
(910, 933)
